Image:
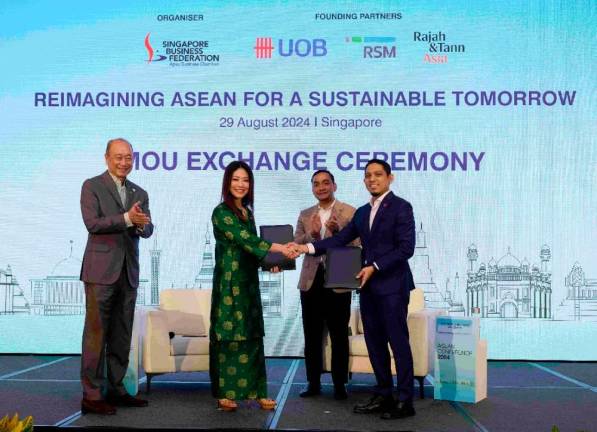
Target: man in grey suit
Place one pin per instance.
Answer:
(116, 213)
(320, 305)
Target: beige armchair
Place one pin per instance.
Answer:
(176, 336)
(421, 324)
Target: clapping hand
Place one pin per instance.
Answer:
(315, 226)
(332, 224)
(137, 216)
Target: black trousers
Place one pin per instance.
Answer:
(323, 306)
(385, 321)
(109, 313)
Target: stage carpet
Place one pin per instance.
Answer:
(533, 396)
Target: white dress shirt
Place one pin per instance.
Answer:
(324, 216)
(121, 189)
(375, 203)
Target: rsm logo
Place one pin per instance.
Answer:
(374, 47)
(379, 51)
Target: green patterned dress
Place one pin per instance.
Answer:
(236, 357)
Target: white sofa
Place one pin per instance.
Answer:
(176, 337)
(421, 327)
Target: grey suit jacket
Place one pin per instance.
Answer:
(110, 244)
(343, 213)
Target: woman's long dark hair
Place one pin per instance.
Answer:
(227, 196)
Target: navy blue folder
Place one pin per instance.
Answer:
(277, 234)
(342, 266)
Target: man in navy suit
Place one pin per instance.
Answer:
(386, 228)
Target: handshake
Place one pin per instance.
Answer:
(290, 250)
(293, 250)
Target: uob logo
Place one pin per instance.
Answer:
(291, 47)
(302, 48)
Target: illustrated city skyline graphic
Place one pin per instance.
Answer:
(503, 289)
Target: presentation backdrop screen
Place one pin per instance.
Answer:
(485, 110)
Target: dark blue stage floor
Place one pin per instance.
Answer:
(533, 396)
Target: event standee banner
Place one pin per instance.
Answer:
(456, 360)
(484, 110)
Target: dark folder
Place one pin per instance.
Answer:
(277, 234)
(342, 266)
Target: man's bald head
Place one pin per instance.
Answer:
(115, 140)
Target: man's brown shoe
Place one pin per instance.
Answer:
(97, 407)
(127, 400)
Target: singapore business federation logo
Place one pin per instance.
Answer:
(150, 51)
(182, 52)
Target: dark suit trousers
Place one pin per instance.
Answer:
(323, 306)
(384, 321)
(109, 317)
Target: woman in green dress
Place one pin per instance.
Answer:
(236, 356)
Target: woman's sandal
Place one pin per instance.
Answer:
(267, 404)
(227, 405)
